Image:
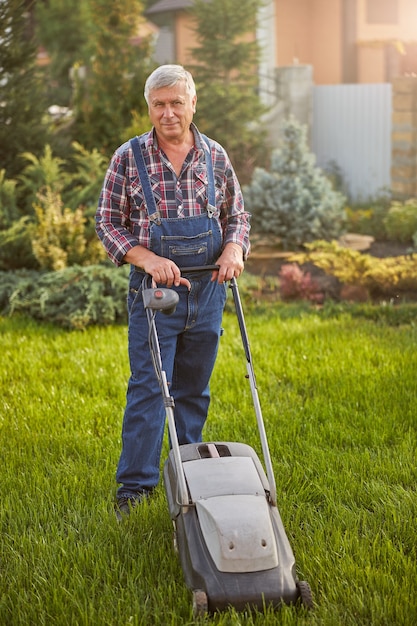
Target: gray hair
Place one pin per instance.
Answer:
(168, 76)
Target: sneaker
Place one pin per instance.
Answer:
(125, 504)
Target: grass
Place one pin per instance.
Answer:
(338, 395)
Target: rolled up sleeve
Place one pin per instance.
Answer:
(112, 215)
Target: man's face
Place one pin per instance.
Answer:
(171, 111)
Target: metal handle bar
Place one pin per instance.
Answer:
(199, 268)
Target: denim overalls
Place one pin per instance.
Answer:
(188, 339)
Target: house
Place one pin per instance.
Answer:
(345, 41)
(354, 44)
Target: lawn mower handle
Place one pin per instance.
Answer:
(200, 268)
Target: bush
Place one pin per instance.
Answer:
(389, 277)
(59, 235)
(295, 284)
(16, 250)
(75, 297)
(401, 221)
(294, 201)
(368, 220)
(8, 202)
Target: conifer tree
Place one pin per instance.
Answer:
(294, 200)
(63, 29)
(111, 93)
(225, 71)
(22, 105)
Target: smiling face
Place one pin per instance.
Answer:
(171, 111)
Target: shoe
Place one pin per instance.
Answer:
(125, 504)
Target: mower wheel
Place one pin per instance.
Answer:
(200, 603)
(306, 596)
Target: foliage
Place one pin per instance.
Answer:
(226, 57)
(294, 200)
(22, 125)
(41, 173)
(59, 237)
(368, 219)
(98, 64)
(16, 246)
(295, 284)
(385, 220)
(85, 182)
(74, 297)
(110, 86)
(139, 124)
(401, 221)
(53, 237)
(63, 28)
(391, 276)
(8, 202)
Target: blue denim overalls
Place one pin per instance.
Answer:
(188, 339)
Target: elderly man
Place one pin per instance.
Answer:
(170, 201)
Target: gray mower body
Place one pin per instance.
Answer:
(230, 539)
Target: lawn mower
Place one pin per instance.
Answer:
(228, 532)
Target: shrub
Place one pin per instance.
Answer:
(401, 221)
(295, 284)
(294, 201)
(388, 277)
(46, 172)
(59, 236)
(8, 205)
(368, 220)
(75, 297)
(84, 184)
(16, 246)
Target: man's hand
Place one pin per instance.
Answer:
(162, 270)
(230, 263)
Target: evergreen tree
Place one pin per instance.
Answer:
(225, 72)
(63, 28)
(294, 200)
(110, 94)
(22, 104)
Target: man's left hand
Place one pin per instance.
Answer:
(230, 263)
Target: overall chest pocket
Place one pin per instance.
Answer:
(188, 251)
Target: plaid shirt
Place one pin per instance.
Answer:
(122, 220)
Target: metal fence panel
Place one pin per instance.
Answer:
(351, 132)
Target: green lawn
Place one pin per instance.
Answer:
(339, 398)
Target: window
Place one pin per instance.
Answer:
(382, 11)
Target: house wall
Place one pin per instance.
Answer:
(380, 45)
(403, 30)
(310, 32)
(185, 38)
(335, 37)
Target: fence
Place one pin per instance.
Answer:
(351, 134)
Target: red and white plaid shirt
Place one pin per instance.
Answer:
(122, 211)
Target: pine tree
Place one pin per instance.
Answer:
(63, 29)
(111, 93)
(294, 200)
(22, 104)
(225, 72)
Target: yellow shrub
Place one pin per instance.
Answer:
(354, 268)
(59, 237)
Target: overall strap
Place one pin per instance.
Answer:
(210, 175)
(153, 212)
